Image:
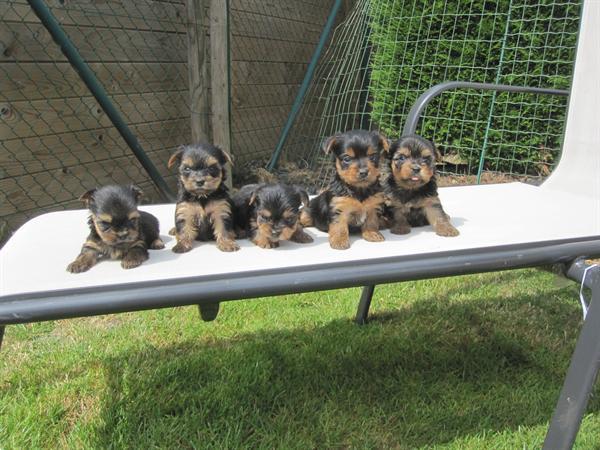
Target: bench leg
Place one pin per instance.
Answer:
(579, 381)
(364, 304)
(1, 335)
(209, 311)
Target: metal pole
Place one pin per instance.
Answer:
(304, 87)
(87, 75)
(489, 120)
(365, 303)
(421, 103)
(581, 375)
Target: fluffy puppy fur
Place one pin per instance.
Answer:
(203, 211)
(117, 229)
(353, 201)
(409, 182)
(269, 213)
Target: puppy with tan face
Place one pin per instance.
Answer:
(409, 182)
(117, 229)
(353, 201)
(203, 211)
(269, 213)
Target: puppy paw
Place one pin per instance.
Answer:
(265, 243)
(445, 229)
(339, 244)
(79, 266)
(400, 229)
(372, 236)
(130, 263)
(157, 244)
(227, 245)
(301, 237)
(134, 258)
(181, 247)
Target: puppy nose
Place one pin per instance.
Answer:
(416, 169)
(363, 172)
(199, 183)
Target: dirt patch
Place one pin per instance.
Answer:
(301, 174)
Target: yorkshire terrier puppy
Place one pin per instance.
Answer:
(409, 182)
(269, 213)
(353, 201)
(117, 229)
(203, 211)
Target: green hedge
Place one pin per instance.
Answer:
(417, 44)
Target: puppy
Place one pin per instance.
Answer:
(269, 213)
(117, 229)
(203, 210)
(409, 182)
(353, 201)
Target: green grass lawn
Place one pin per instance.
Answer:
(472, 362)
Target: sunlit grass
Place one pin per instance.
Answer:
(473, 362)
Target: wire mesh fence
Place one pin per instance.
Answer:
(388, 52)
(56, 141)
(271, 45)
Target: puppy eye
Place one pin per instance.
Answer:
(186, 170)
(265, 218)
(104, 225)
(213, 171)
(347, 159)
(427, 160)
(400, 158)
(373, 157)
(290, 220)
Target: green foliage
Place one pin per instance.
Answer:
(417, 44)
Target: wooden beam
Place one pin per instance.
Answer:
(197, 69)
(219, 64)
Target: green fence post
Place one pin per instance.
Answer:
(89, 78)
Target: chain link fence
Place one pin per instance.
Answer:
(56, 142)
(271, 45)
(388, 52)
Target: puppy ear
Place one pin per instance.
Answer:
(303, 195)
(255, 188)
(227, 156)
(332, 143)
(88, 197)
(175, 157)
(436, 152)
(137, 193)
(432, 146)
(252, 199)
(383, 143)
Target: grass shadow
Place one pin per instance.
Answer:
(423, 375)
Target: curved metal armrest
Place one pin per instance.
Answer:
(421, 103)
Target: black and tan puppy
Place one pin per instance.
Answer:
(203, 210)
(353, 201)
(269, 213)
(409, 182)
(117, 229)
